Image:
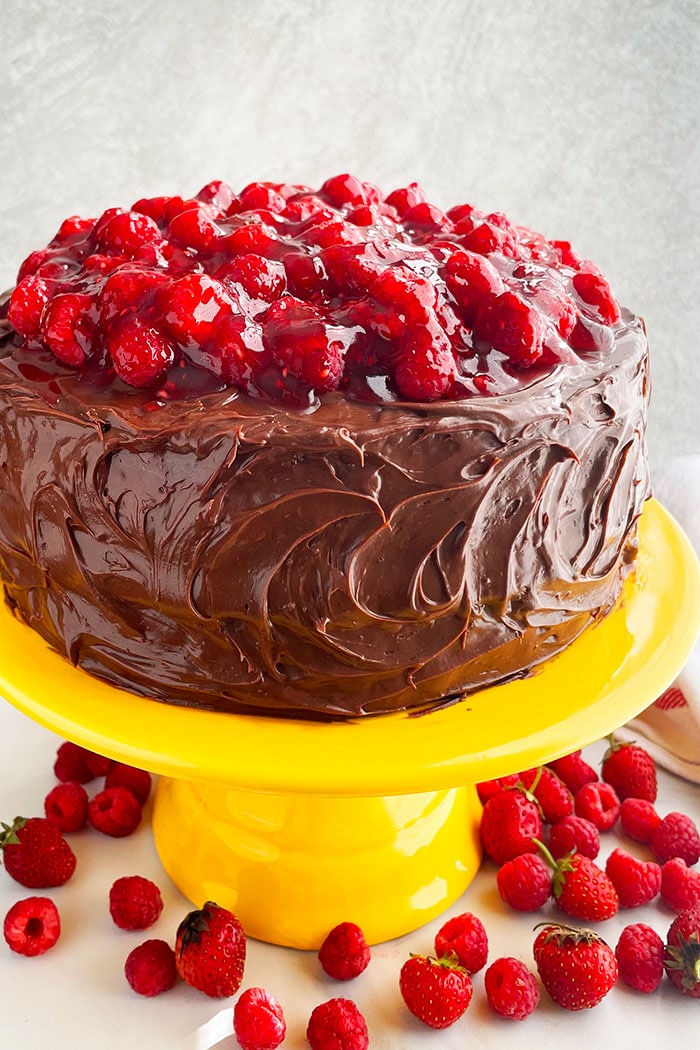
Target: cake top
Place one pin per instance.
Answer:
(287, 293)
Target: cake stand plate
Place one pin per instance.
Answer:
(297, 825)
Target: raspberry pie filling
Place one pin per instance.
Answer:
(315, 453)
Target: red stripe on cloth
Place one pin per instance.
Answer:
(673, 697)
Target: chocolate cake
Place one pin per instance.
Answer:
(318, 454)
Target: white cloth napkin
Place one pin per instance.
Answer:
(670, 727)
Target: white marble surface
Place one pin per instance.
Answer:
(580, 119)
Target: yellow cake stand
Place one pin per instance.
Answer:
(297, 826)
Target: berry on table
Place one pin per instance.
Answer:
(137, 781)
(680, 886)
(486, 789)
(576, 966)
(630, 770)
(337, 1025)
(574, 771)
(638, 819)
(135, 903)
(598, 802)
(114, 812)
(574, 833)
(553, 796)
(511, 989)
(210, 950)
(640, 957)
(676, 836)
(436, 991)
(525, 882)
(258, 1020)
(74, 763)
(66, 806)
(35, 853)
(464, 936)
(32, 926)
(637, 882)
(509, 824)
(580, 887)
(344, 953)
(682, 954)
(150, 968)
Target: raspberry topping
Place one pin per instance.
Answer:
(287, 293)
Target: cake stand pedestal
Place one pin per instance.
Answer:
(297, 826)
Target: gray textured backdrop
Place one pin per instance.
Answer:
(578, 118)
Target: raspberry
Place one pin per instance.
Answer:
(344, 953)
(510, 823)
(195, 228)
(639, 819)
(296, 336)
(510, 325)
(525, 882)
(640, 957)
(258, 1020)
(32, 926)
(594, 291)
(465, 936)
(676, 836)
(66, 806)
(237, 352)
(115, 812)
(637, 882)
(72, 763)
(472, 280)
(33, 263)
(574, 833)
(135, 903)
(405, 198)
(680, 886)
(27, 304)
(126, 233)
(192, 306)
(217, 193)
(429, 373)
(257, 196)
(511, 989)
(75, 226)
(139, 352)
(426, 218)
(598, 803)
(488, 788)
(99, 765)
(126, 290)
(555, 800)
(137, 781)
(574, 771)
(345, 189)
(67, 328)
(150, 968)
(337, 1025)
(260, 278)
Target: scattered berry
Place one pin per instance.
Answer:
(436, 991)
(676, 836)
(581, 888)
(574, 771)
(35, 853)
(509, 824)
(598, 803)
(135, 903)
(680, 886)
(337, 1025)
(137, 781)
(210, 950)
(637, 882)
(150, 968)
(511, 989)
(638, 819)
(66, 806)
(464, 936)
(574, 833)
(577, 967)
(344, 953)
(682, 954)
(73, 763)
(488, 788)
(115, 812)
(555, 800)
(525, 882)
(640, 957)
(258, 1020)
(630, 770)
(32, 926)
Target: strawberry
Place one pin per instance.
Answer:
(630, 770)
(509, 823)
(576, 966)
(210, 950)
(488, 788)
(581, 888)
(682, 955)
(35, 853)
(436, 991)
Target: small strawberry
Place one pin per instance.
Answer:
(630, 770)
(436, 991)
(210, 950)
(640, 957)
(638, 819)
(574, 771)
(258, 1020)
(680, 886)
(598, 803)
(509, 823)
(32, 926)
(581, 888)
(637, 882)
(150, 968)
(337, 1025)
(676, 836)
(574, 833)
(35, 853)
(682, 955)
(577, 967)
(344, 953)
(554, 798)
(525, 882)
(511, 989)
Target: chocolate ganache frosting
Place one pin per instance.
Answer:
(357, 557)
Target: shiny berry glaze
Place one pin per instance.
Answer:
(287, 293)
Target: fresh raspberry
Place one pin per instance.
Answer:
(630, 770)
(66, 806)
(258, 1020)
(574, 771)
(139, 352)
(73, 763)
(636, 881)
(511, 989)
(577, 967)
(137, 781)
(581, 888)
(638, 819)
(509, 824)
(464, 936)
(510, 325)
(574, 833)
(99, 765)
(27, 304)
(676, 836)
(594, 291)
(598, 803)
(115, 812)
(488, 788)
(640, 957)
(210, 950)
(680, 886)
(337, 1025)
(150, 968)
(682, 954)
(67, 327)
(35, 853)
(436, 991)
(525, 882)
(32, 926)
(135, 903)
(344, 953)
(555, 800)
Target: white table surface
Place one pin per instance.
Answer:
(76, 994)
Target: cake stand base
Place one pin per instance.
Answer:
(299, 825)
